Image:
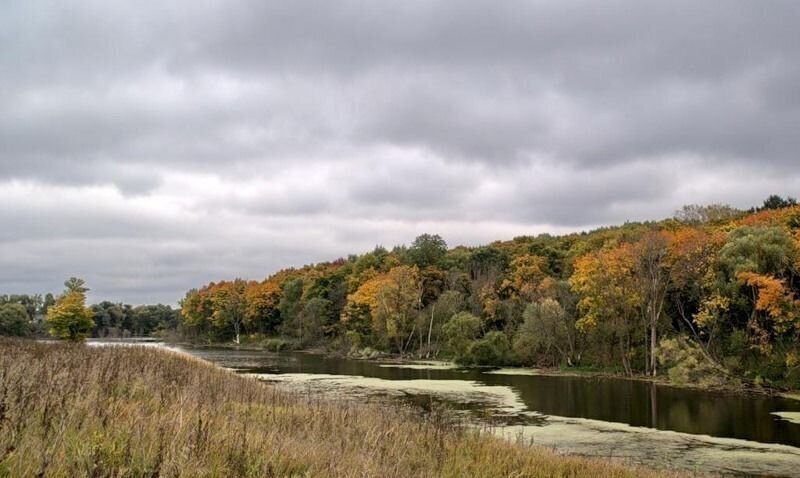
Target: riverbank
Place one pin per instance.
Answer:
(735, 387)
(71, 410)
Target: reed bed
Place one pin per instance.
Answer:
(67, 410)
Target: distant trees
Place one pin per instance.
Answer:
(777, 202)
(69, 318)
(695, 214)
(124, 320)
(14, 320)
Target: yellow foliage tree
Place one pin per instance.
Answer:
(609, 294)
(69, 318)
(393, 299)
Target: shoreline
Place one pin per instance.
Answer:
(743, 389)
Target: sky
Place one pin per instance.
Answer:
(150, 147)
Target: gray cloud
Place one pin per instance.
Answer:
(151, 147)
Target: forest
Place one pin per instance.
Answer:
(709, 296)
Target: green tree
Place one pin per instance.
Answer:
(73, 284)
(291, 307)
(461, 331)
(427, 250)
(14, 320)
(547, 332)
(763, 250)
(69, 318)
(777, 202)
(313, 319)
(447, 305)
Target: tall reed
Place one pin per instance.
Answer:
(68, 410)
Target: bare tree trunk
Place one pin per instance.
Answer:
(653, 345)
(411, 336)
(430, 330)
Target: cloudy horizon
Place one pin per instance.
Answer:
(150, 148)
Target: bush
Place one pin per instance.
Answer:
(353, 339)
(687, 364)
(277, 344)
(492, 349)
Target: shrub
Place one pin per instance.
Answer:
(491, 349)
(687, 364)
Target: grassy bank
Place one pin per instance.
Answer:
(70, 410)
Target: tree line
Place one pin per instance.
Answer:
(67, 316)
(709, 294)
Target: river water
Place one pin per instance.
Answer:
(631, 421)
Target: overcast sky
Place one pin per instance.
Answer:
(151, 146)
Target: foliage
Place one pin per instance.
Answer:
(427, 250)
(69, 318)
(687, 364)
(461, 331)
(124, 320)
(545, 336)
(14, 320)
(491, 349)
(725, 279)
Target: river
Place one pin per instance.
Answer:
(631, 421)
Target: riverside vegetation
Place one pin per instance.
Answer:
(70, 410)
(708, 297)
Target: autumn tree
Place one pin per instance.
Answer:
(526, 275)
(393, 300)
(229, 304)
(610, 296)
(776, 311)
(196, 308)
(263, 305)
(69, 318)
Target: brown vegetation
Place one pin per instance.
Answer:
(69, 410)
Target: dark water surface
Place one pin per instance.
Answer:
(631, 402)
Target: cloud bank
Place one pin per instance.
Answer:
(150, 148)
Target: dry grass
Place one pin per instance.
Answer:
(70, 410)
